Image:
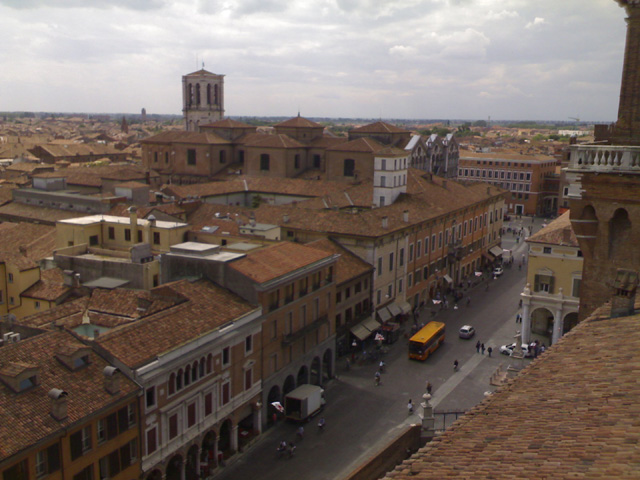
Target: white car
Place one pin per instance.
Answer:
(509, 349)
(466, 331)
(497, 271)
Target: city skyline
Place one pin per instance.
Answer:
(512, 59)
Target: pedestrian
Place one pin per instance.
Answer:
(275, 418)
(517, 318)
(300, 432)
(410, 407)
(377, 379)
(478, 346)
(382, 365)
(482, 348)
(489, 350)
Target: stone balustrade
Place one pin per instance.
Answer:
(604, 159)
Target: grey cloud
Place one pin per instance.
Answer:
(87, 4)
(243, 7)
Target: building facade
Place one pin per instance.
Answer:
(202, 99)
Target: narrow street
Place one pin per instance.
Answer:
(361, 418)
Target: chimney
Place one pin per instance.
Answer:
(111, 380)
(405, 216)
(58, 403)
(285, 218)
(152, 220)
(133, 217)
(143, 304)
(75, 281)
(624, 295)
(385, 222)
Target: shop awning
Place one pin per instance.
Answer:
(405, 307)
(384, 314)
(448, 279)
(360, 332)
(495, 251)
(394, 309)
(488, 257)
(370, 324)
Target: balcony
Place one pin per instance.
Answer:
(604, 159)
(298, 334)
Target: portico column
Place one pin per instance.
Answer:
(234, 438)
(557, 326)
(526, 319)
(183, 468)
(198, 453)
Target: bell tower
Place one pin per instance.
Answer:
(627, 128)
(202, 99)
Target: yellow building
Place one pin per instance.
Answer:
(551, 297)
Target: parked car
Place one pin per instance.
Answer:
(509, 349)
(497, 271)
(466, 331)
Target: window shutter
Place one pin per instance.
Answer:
(112, 426)
(114, 463)
(536, 283)
(123, 420)
(125, 456)
(53, 458)
(75, 442)
(551, 282)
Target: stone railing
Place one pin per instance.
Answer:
(604, 158)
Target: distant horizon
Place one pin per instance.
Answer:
(321, 118)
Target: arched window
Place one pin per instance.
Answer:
(209, 363)
(198, 94)
(208, 94)
(189, 95)
(187, 375)
(201, 369)
(179, 380)
(194, 371)
(172, 384)
(349, 167)
(620, 241)
(215, 95)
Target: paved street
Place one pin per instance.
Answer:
(361, 418)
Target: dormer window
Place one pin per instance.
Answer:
(80, 362)
(20, 376)
(74, 356)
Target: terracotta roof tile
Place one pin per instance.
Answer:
(379, 127)
(365, 145)
(48, 318)
(25, 417)
(50, 287)
(274, 141)
(558, 232)
(180, 136)
(299, 122)
(348, 266)
(277, 260)
(21, 212)
(570, 414)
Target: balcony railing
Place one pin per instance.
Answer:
(298, 334)
(604, 158)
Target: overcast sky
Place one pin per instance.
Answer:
(446, 59)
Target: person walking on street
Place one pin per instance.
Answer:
(478, 346)
(489, 350)
(377, 379)
(482, 348)
(300, 432)
(410, 407)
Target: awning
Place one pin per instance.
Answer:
(365, 328)
(488, 257)
(405, 307)
(495, 251)
(394, 309)
(370, 324)
(384, 314)
(448, 279)
(360, 331)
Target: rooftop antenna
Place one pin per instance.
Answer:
(298, 110)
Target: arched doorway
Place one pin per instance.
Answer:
(316, 372)
(619, 235)
(303, 375)
(224, 444)
(272, 412)
(208, 454)
(191, 468)
(289, 385)
(542, 322)
(174, 468)
(570, 321)
(327, 365)
(155, 475)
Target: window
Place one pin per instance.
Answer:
(191, 156)
(191, 415)
(544, 283)
(48, 460)
(80, 442)
(37, 305)
(349, 167)
(85, 474)
(223, 156)
(155, 157)
(173, 426)
(296, 161)
(102, 430)
(401, 259)
(418, 249)
(152, 441)
(440, 240)
(575, 289)
(166, 157)
(127, 234)
(264, 162)
(208, 404)
(112, 233)
(391, 262)
(248, 379)
(139, 236)
(379, 266)
(11, 278)
(226, 357)
(425, 273)
(150, 397)
(248, 344)
(411, 252)
(400, 285)
(383, 164)
(225, 393)
(546, 250)
(410, 280)
(433, 243)
(156, 238)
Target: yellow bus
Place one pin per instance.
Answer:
(426, 340)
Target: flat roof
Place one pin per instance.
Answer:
(243, 246)
(107, 282)
(91, 219)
